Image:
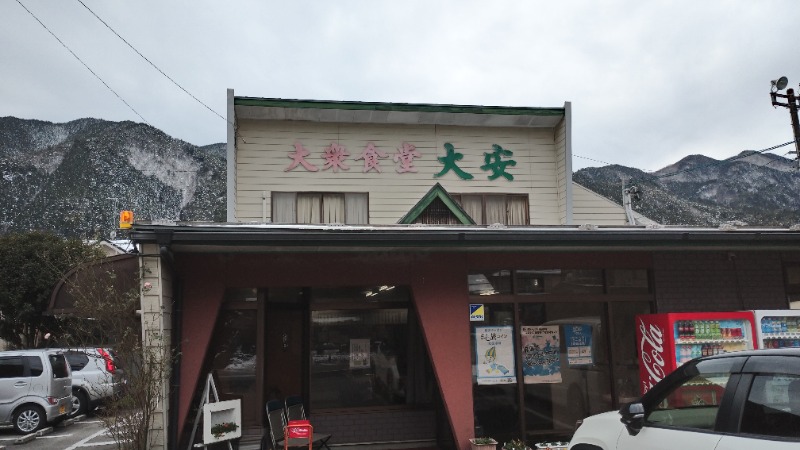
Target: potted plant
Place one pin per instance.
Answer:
(218, 430)
(515, 444)
(483, 443)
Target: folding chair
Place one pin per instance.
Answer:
(294, 408)
(276, 419)
(296, 411)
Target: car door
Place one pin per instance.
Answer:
(684, 413)
(770, 413)
(15, 382)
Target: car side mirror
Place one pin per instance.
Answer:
(633, 417)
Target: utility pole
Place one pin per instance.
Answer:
(629, 195)
(792, 104)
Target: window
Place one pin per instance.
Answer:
(59, 365)
(35, 364)
(488, 209)
(362, 353)
(320, 207)
(12, 367)
(791, 275)
(773, 406)
(77, 360)
(537, 281)
(693, 402)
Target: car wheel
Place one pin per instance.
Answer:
(80, 402)
(28, 419)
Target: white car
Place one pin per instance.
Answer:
(96, 377)
(732, 401)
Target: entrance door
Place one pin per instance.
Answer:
(285, 344)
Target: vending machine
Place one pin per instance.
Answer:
(777, 328)
(666, 341)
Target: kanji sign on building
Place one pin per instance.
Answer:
(497, 162)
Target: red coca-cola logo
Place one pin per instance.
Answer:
(652, 354)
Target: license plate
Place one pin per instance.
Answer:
(62, 409)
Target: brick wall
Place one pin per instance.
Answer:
(718, 281)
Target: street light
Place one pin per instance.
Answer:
(792, 104)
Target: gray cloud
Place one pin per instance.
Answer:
(650, 82)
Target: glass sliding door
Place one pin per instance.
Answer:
(495, 391)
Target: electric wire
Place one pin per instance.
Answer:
(82, 62)
(150, 62)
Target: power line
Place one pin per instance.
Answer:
(150, 62)
(84, 64)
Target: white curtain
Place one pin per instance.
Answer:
(357, 208)
(473, 206)
(495, 209)
(517, 210)
(309, 207)
(332, 208)
(283, 207)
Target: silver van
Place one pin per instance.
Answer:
(35, 388)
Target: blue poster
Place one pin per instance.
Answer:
(541, 354)
(579, 344)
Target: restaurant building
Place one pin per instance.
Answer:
(423, 274)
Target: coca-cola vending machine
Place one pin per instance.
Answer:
(668, 340)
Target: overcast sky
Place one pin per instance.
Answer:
(649, 81)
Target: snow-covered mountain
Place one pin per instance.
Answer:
(758, 189)
(74, 178)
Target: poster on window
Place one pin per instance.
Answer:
(359, 353)
(579, 344)
(494, 352)
(541, 355)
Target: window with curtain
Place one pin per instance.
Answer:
(320, 207)
(488, 209)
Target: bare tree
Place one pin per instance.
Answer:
(106, 312)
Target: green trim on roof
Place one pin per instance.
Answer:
(408, 107)
(437, 191)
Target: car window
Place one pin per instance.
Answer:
(59, 365)
(11, 367)
(772, 407)
(77, 360)
(35, 364)
(693, 402)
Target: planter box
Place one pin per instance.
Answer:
(222, 412)
(491, 446)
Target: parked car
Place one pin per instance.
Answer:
(740, 400)
(35, 388)
(96, 377)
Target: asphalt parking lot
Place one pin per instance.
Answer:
(79, 433)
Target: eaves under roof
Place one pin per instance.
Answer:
(396, 113)
(243, 237)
